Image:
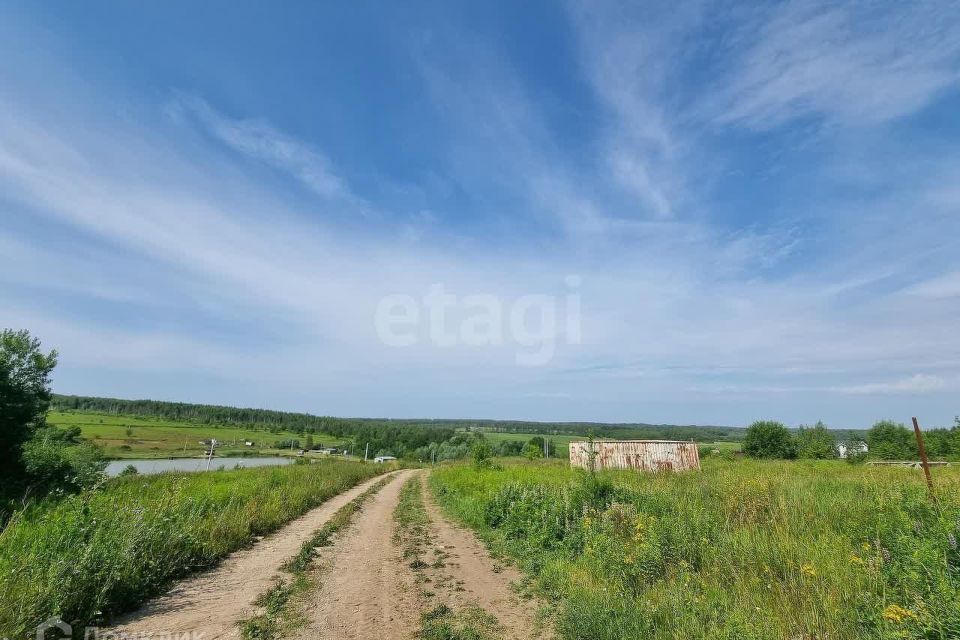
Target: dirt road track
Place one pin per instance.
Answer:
(214, 601)
(365, 592)
(478, 579)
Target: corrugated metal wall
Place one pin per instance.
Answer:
(642, 455)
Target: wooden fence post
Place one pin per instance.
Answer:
(923, 458)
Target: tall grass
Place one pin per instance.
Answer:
(99, 553)
(742, 550)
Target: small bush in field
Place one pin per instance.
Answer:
(769, 439)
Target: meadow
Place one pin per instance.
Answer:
(86, 557)
(122, 436)
(743, 549)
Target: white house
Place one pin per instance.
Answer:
(382, 459)
(853, 447)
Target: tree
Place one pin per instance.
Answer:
(816, 442)
(310, 441)
(24, 398)
(531, 451)
(769, 439)
(482, 454)
(889, 440)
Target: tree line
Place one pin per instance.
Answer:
(885, 440)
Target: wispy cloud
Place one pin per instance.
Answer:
(855, 63)
(263, 142)
(919, 383)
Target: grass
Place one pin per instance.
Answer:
(91, 556)
(277, 615)
(561, 441)
(124, 437)
(743, 549)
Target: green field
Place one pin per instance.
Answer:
(158, 438)
(561, 441)
(743, 549)
(88, 556)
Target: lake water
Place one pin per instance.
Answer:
(192, 464)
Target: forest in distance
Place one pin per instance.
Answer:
(273, 420)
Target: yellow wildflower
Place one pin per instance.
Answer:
(857, 560)
(808, 570)
(896, 613)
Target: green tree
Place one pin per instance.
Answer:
(310, 441)
(24, 398)
(816, 442)
(482, 454)
(769, 439)
(531, 451)
(889, 440)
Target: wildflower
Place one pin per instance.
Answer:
(952, 539)
(896, 613)
(808, 570)
(857, 560)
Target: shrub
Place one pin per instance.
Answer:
(482, 454)
(769, 439)
(889, 440)
(816, 443)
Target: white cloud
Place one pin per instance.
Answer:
(261, 141)
(919, 383)
(944, 286)
(856, 63)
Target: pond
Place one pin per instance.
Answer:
(192, 464)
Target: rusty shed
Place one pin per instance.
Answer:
(642, 455)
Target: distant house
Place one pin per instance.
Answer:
(854, 447)
(329, 451)
(248, 443)
(382, 459)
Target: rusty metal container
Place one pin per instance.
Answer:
(641, 455)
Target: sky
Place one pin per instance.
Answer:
(688, 213)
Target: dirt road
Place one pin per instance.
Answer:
(478, 579)
(365, 592)
(365, 589)
(212, 602)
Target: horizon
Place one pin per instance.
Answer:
(507, 420)
(702, 214)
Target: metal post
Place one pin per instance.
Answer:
(923, 457)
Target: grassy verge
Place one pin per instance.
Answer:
(742, 550)
(278, 614)
(412, 532)
(91, 556)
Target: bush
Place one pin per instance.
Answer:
(816, 443)
(532, 451)
(889, 440)
(482, 454)
(769, 439)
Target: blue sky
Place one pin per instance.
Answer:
(760, 203)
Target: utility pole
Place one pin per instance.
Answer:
(366, 452)
(923, 458)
